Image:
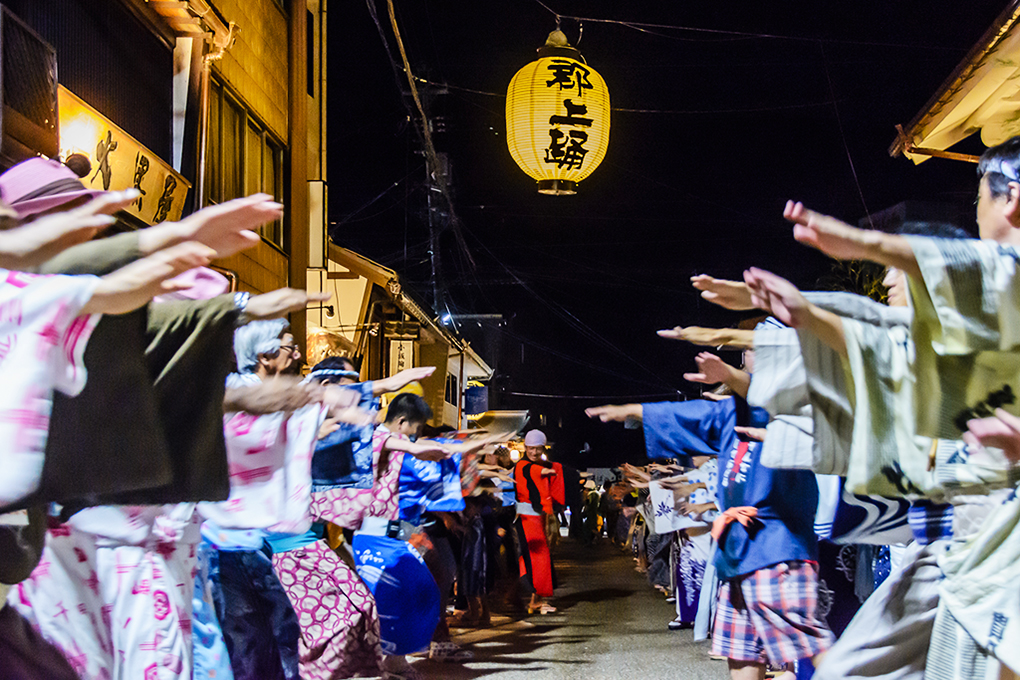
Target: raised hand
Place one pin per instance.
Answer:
(280, 302)
(728, 294)
(328, 427)
(35, 242)
(135, 284)
(614, 414)
(778, 297)
(429, 450)
(410, 375)
(710, 337)
(711, 370)
(833, 237)
(227, 227)
(755, 433)
(1001, 431)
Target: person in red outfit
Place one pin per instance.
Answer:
(532, 477)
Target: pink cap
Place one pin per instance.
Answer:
(39, 184)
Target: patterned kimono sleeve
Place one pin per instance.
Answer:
(44, 310)
(967, 295)
(41, 345)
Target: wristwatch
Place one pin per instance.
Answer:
(241, 299)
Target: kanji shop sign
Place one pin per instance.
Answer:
(557, 122)
(119, 162)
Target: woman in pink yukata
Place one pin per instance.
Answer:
(63, 597)
(339, 622)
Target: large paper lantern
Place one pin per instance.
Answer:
(557, 118)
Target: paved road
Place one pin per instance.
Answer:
(611, 625)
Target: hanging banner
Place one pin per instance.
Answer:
(401, 355)
(119, 162)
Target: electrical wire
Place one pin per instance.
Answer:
(644, 26)
(842, 136)
(571, 320)
(430, 149)
(751, 109)
(385, 191)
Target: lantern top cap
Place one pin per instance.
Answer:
(557, 39)
(557, 45)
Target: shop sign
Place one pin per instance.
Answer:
(120, 162)
(401, 355)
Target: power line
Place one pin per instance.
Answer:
(644, 26)
(842, 135)
(751, 109)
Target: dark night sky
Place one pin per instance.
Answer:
(744, 124)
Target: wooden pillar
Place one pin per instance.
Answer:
(297, 181)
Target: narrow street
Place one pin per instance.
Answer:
(610, 625)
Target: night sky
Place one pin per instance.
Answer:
(802, 100)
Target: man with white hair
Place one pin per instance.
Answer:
(269, 457)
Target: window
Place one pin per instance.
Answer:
(452, 397)
(242, 157)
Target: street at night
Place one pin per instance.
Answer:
(566, 339)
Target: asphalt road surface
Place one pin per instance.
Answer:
(611, 624)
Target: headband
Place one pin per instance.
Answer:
(334, 372)
(1000, 166)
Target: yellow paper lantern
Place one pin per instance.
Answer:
(557, 118)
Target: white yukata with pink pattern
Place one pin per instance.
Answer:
(270, 459)
(113, 591)
(42, 342)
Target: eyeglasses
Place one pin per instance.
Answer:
(290, 348)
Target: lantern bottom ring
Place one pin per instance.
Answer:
(557, 187)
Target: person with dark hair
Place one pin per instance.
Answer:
(962, 294)
(340, 635)
(343, 455)
(767, 557)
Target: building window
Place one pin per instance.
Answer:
(242, 157)
(451, 389)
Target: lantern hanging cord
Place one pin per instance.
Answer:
(645, 26)
(426, 131)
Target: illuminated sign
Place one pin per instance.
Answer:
(119, 162)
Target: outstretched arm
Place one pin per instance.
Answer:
(29, 245)
(132, 286)
(423, 448)
(783, 300)
(278, 303)
(840, 240)
(728, 294)
(1001, 431)
(615, 414)
(226, 228)
(406, 377)
(711, 337)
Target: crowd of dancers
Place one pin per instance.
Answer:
(845, 503)
(179, 503)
